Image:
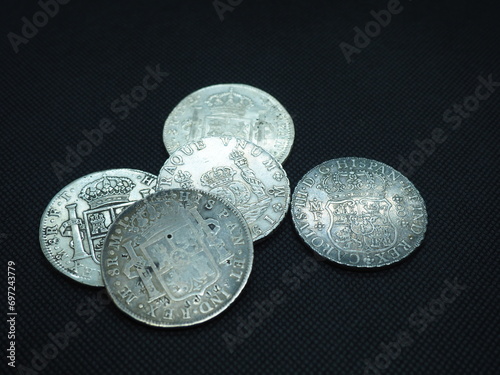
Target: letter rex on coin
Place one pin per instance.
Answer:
(75, 223)
(359, 212)
(177, 258)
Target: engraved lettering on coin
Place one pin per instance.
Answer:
(236, 170)
(177, 258)
(76, 221)
(231, 110)
(359, 212)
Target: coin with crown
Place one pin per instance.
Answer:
(231, 110)
(237, 171)
(359, 212)
(75, 223)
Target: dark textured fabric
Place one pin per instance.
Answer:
(386, 104)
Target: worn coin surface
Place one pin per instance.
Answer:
(177, 258)
(75, 223)
(231, 109)
(359, 212)
(236, 170)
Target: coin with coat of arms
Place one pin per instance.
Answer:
(75, 223)
(359, 212)
(177, 258)
(236, 170)
(231, 110)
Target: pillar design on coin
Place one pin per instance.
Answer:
(76, 221)
(236, 170)
(177, 258)
(231, 109)
(359, 212)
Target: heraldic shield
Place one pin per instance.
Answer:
(227, 125)
(362, 224)
(97, 223)
(107, 198)
(180, 261)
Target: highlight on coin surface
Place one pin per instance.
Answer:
(231, 109)
(75, 222)
(177, 258)
(359, 212)
(236, 170)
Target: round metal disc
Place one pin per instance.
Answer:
(177, 258)
(359, 212)
(231, 109)
(236, 170)
(75, 223)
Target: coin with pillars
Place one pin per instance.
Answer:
(177, 258)
(75, 223)
(359, 212)
(236, 170)
(231, 109)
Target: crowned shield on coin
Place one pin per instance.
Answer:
(359, 211)
(107, 197)
(227, 115)
(361, 224)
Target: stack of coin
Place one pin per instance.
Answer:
(177, 250)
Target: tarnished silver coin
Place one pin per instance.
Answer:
(236, 170)
(177, 258)
(75, 223)
(359, 212)
(231, 109)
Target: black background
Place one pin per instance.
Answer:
(393, 93)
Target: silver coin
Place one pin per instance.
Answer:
(231, 109)
(75, 223)
(177, 258)
(359, 212)
(236, 170)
